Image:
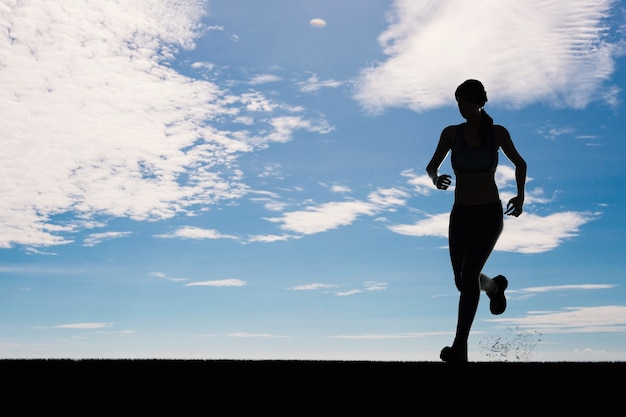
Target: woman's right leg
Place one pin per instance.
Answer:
(469, 288)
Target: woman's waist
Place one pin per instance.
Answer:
(495, 204)
(475, 194)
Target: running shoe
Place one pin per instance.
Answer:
(453, 355)
(497, 303)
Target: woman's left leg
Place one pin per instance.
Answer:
(487, 227)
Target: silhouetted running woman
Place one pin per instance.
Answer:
(476, 219)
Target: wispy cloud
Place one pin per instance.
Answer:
(336, 188)
(203, 65)
(388, 197)
(349, 292)
(96, 238)
(549, 51)
(367, 287)
(331, 215)
(264, 78)
(284, 126)
(35, 251)
(197, 233)
(255, 335)
(375, 286)
(421, 184)
(384, 336)
(582, 287)
(552, 132)
(271, 238)
(607, 319)
(312, 286)
(84, 326)
(164, 276)
(313, 84)
(218, 283)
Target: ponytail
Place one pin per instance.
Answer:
(486, 123)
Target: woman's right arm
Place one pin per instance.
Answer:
(442, 182)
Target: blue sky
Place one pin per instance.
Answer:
(246, 179)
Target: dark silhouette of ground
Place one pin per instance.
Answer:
(302, 388)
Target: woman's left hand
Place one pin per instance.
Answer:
(514, 207)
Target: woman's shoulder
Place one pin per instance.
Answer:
(501, 134)
(500, 130)
(449, 132)
(451, 129)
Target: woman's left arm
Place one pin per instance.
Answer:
(515, 205)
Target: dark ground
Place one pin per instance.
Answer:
(232, 387)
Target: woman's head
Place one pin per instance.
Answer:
(471, 98)
(472, 91)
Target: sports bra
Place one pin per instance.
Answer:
(482, 158)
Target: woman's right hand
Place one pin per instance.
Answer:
(514, 207)
(442, 182)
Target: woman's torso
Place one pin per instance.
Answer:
(474, 165)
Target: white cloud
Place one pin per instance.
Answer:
(317, 23)
(312, 286)
(374, 336)
(34, 251)
(270, 238)
(257, 102)
(551, 51)
(422, 184)
(84, 326)
(95, 117)
(218, 283)
(284, 126)
(328, 216)
(609, 319)
(97, 124)
(386, 197)
(313, 84)
(567, 287)
(324, 217)
(336, 188)
(551, 132)
(256, 335)
(96, 238)
(164, 276)
(264, 78)
(190, 232)
(433, 225)
(348, 293)
(203, 65)
(528, 233)
(367, 287)
(375, 286)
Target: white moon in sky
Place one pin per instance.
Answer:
(317, 23)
